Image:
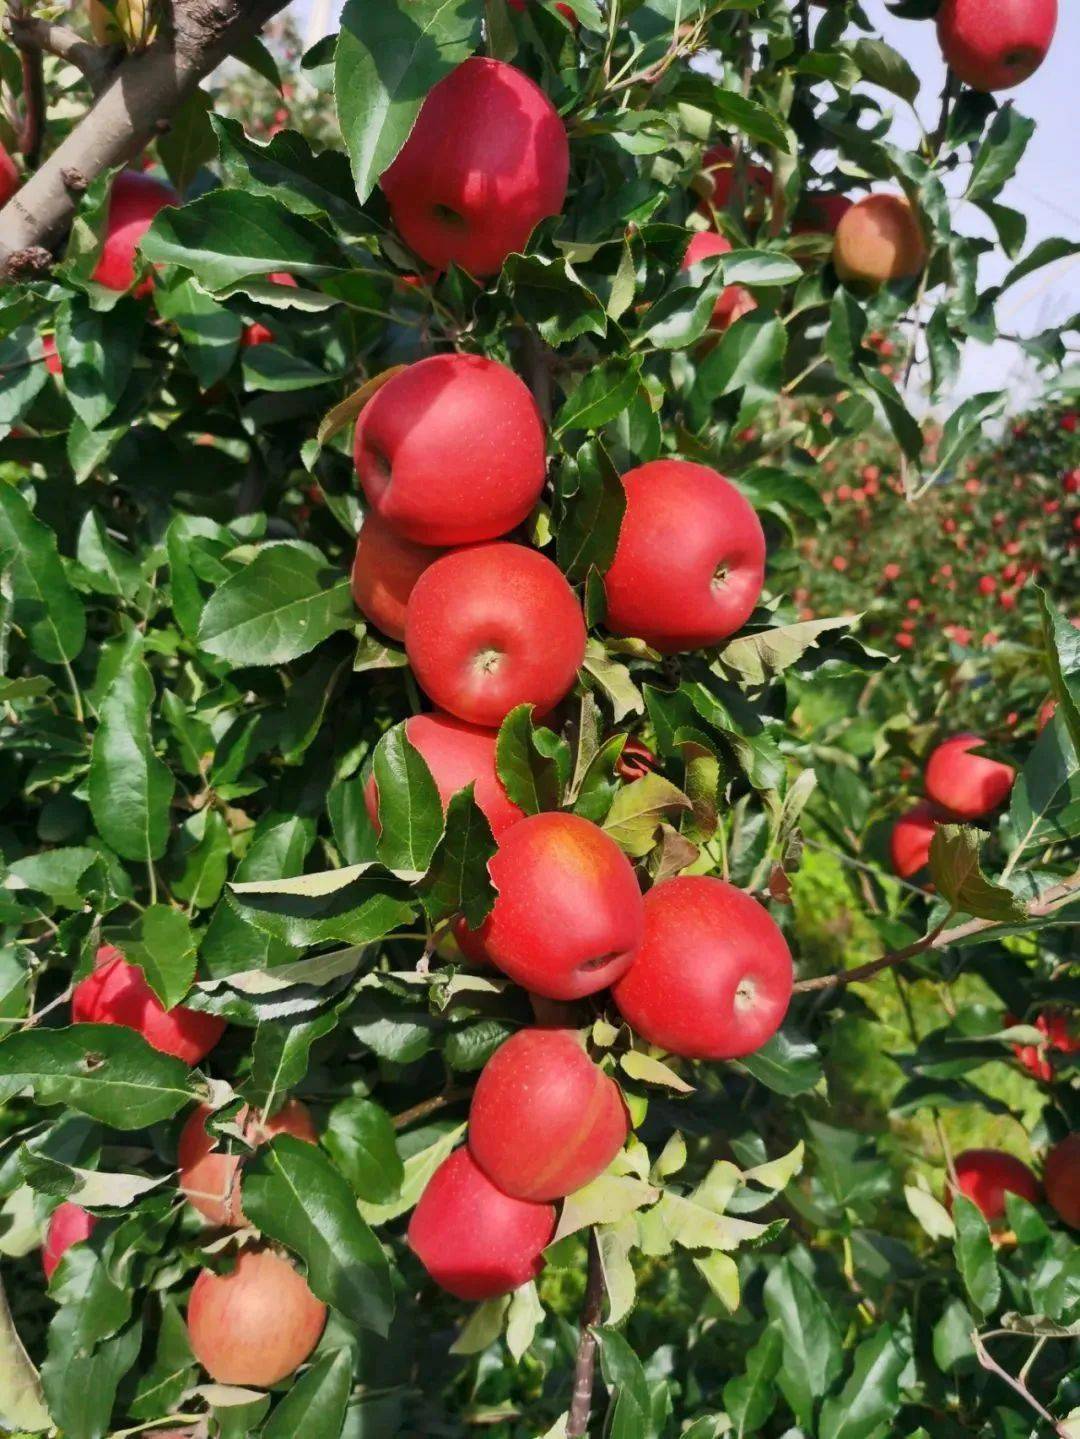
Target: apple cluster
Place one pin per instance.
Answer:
(961, 784)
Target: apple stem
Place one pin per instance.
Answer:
(577, 1425)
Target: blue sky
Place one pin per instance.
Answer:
(1046, 187)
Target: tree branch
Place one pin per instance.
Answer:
(136, 106)
(577, 1425)
(96, 62)
(32, 129)
(939, 938)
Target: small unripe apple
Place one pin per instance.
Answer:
(690, 561)
(210, 1177)
(1061, 1176)
(10, 179)
(987, 1175)
(69, 1224)
(567, 916)
(491, 627)
(995, 44)
(457, 754)
(451, 450)
(117, 993)
(966, 783)
(133, 202)
(385, 569)
(257, 1323)
(545, 1120)
(486, 161)
(879, 239)
(257, 333)
(474, 1240)
(733, 301)
(712, 977)
(909, 843)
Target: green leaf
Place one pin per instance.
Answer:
(592, 512)
(291, 1192)
(288, 170)
(389, 58)
(81, 1386)
(757, 658)
(749, 357)
(974, 1252)
(681, 315)
(1000, 153)
(458, 880)
(282, 604)
(638, 810)
(103, 1070)
(189, 143)
(734, 111)
(172, 1370)
(281, 1053)
(22, 1404)
(811, 1340)
(109, 568)
(530, 776)
(955, 869)
(871, 1396)
(345, 905)
(751, 1398)
(130, 789)
(410, 810)
(315, 1405)
(360, 1139)
(46, 608)
(228, 235)
(210, 333)
(97, 349)
(551, 297)
(1046, 252)
(1061, 645)
(165, 952)
(881, 65)
(603, 394)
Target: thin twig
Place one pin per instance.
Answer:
(577, 1425)
(32, 130)
(988, 1362)
(939, 938)
(429, 1106)
(96, 62)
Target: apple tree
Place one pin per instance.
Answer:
(492, 936)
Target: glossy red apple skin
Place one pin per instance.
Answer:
(69, 1224)
(712, 977)
(545, 1120)
(53, 363)
(1060, 1035)
(486, 161)
(690, 561)
(457, 754)
(964, 782)
(9, 176)
(133, 204)
(258, 333)
(117, 993)
(985, 1176)
(995, 44)
(909, 843)
(385, 569)
(209, 1175)
(1061, 1178)
(256, 1324)
(474, 1240)
(472, 629)
(567, 915)
(734, 301)
(451, 450)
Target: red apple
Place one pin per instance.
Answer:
(690, 561)
(820, 212)
(208, 1175)
(451, 450)
(70, 1224)
(256, 1324)
(718, 174)
(486, 161)
(457, 754)
(1061, 1177)
(995, 44)
(473, 1239)
(258, 334)
(909, 844)
(545, 1120)
(9, 176)
(473, 630)
(712, 977)
(568, 913)
(734, 301)
(133, 203)
(385, 568)
(987, 1175)
(635, 762)
(52, 359)
(117, 993)
(879, 239)
(963, 782)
